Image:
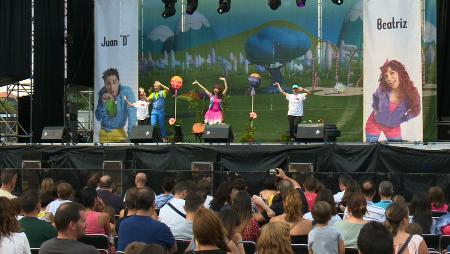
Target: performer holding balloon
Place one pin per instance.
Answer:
(214, 114)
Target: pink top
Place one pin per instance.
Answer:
(311, 198)
(92, 223)
(392, 106)
(216, 104)
(443, 209)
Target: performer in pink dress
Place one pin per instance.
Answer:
(214, 114)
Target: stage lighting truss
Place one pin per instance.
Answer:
(338, 2)
(274, 4)
(224, 6)
(300, 3)
(169, 8)
(191, 6)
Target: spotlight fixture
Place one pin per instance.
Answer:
(338, 2)
(169, 8)
(224, 6)
(274, 4)
(191, 6)
(300, 3)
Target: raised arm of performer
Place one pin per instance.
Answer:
(280, 89)
(161, 85)
(202, 87)
(303, 90)
(129, 103)
(225, 86)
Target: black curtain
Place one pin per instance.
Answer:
(80, 50)
(15, 39)
(443, 60)
(48, 99)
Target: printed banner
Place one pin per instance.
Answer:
(116, 68)
(392, 71)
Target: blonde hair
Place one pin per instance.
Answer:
(274, 238)
(47, 184)
(293, 206)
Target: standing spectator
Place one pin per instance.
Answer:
(8, 179)
(142, 228)
(183, 231)
(437, 199)
(107, 196)
(231, 222)
(310, 194)
(274, 239)
(327, 196)
(173, 212)
(421, 211)
(351, 226)
(11, 239)
(344, 181)
(37, 231)
(293, 216)
(242, 206)
(368, 190)
(324, 238)
(167, 185)
(64, 192)
(70, 222)
(96, 222)
(374, 238)
(209, 233)
(397, 220)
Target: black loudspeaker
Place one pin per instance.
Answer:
(144, 134)
(218, 133)
(310, 132)
(443, 130)
(55, 134)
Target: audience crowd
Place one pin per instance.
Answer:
(185, 218)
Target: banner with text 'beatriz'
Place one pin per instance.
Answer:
(116, 68)
(392, 71)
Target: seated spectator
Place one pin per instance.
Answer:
(70, 222)
(376, 211)
(142, 228)
(222, 197)
(93, 181)
(8, 180)
(45, 199)
(442, 226)
(183, 230)
(421, 211)
(269, 188)
(231, 223)
(96, 222)
(242, 206)
(351, 226)
(323, 238)
(368, 190)
(352, 187)
(173, 212)
(204, 186)
(167, 185)
(274, 239)
(209, 234)
(293, 216)
(107, 196)
(136, 248)
(326, 196)
(37, 231)
(344, 181)
(11, 239)
(414, 229)
(374, 238)
(140, 181)
(437, 199)
(397, 219)
(64, 193)
(310, 194)
(47, 184)
(398, 199)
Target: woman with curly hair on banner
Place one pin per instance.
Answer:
(395, 101)
(214, 115)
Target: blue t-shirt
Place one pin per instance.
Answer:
(144, 229)
(383, 204)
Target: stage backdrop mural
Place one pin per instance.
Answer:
(116, 68)
(282, 45)
(392, 70)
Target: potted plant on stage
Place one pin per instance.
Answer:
(254, 81)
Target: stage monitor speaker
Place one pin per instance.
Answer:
(55, 134)
(443, 130)
(310, 132)
(144, 134)
(218, 133)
